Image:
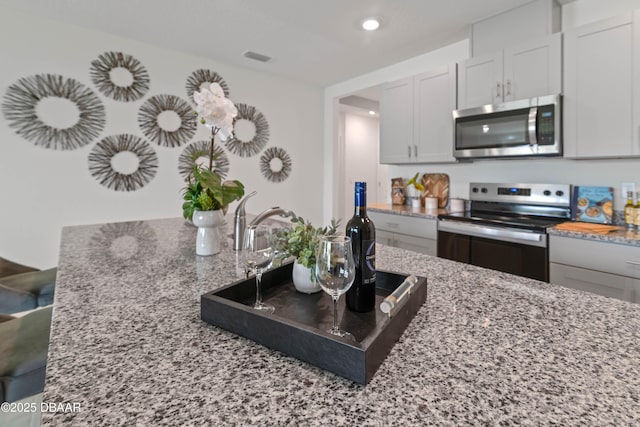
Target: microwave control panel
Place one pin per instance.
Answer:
(546, 131)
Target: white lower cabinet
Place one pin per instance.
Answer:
(406, 232)
(608, 269)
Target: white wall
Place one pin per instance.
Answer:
(42, 190)
(361, 156)
(579, 172)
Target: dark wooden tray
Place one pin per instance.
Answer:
(298, 327)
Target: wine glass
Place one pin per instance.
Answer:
(335, 272)
(259, 250)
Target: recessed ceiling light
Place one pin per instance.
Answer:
(371, 24)
(371, 112)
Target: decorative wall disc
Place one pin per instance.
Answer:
(275, 164)
(81, 119)
(102, 168)
(172, 131)
(120, 76)
(195, 80)
(198, 149)
(256, 144)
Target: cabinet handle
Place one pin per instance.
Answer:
(632, 262)
(498, 90)
(508, 87)
(409, 151)
(415, 151)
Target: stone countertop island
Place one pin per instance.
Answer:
(128, 345)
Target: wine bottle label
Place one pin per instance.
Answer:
(629, 215)
(369, 264)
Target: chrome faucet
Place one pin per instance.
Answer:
(240, 222)
(271, 212)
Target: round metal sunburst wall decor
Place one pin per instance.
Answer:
(198, 149)
(24, 105)
(133, 82)
(195, 80)
(101, 162)
(261, 137)
(275, 155)
(172, 135)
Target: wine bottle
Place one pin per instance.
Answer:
(361, 296)
(629, 211)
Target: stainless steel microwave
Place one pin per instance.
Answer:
(528, 127)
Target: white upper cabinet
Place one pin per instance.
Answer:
(601, 93)
(525, 71)
(434, 102)
(533, 69)
(480, 81)
(396, 121)
(416, 122)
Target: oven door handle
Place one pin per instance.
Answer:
(504, 234)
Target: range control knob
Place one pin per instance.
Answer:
(484, 190)
(474, 189)
(559, 193)
(547, 193)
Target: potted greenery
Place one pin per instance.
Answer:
(416, 199)
(301, 242)
(207, 196)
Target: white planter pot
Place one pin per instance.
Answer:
(208, 237)
(302, 279)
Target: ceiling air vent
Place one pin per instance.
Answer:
(257, 56)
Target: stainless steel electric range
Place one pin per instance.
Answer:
(505, 228)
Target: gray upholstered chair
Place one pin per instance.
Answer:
(24, 343)
(26, 291)
(9, 268)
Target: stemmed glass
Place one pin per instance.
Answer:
(259, 250)
(335, 271)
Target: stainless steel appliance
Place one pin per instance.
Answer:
(528, 127)
(505, 229)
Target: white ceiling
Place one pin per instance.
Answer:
(316, 41)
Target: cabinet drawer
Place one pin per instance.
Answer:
(412, 226)
(600, 256)
(605, 284)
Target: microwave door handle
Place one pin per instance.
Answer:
(533, 118)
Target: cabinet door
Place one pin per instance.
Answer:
(533, 69)
(605, 284)
(434, 101)
(396, 122)
(416, 244)
(480, 81)
(385, 238)
(598, 86)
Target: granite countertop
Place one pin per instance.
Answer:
(406, 210)
(620, 236)
(128, 345)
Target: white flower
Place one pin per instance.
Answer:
(215, 111)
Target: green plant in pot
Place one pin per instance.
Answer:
(301, 241)
(416, 196)
(206, 197)
(207, 191)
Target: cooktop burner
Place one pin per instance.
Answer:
(532, 207)
(534, 223)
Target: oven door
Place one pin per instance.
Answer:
(515, 251)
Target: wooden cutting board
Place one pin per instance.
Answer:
(587, 227)
(436, 185)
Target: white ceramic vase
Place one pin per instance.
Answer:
(302, 279)
(208, 237)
